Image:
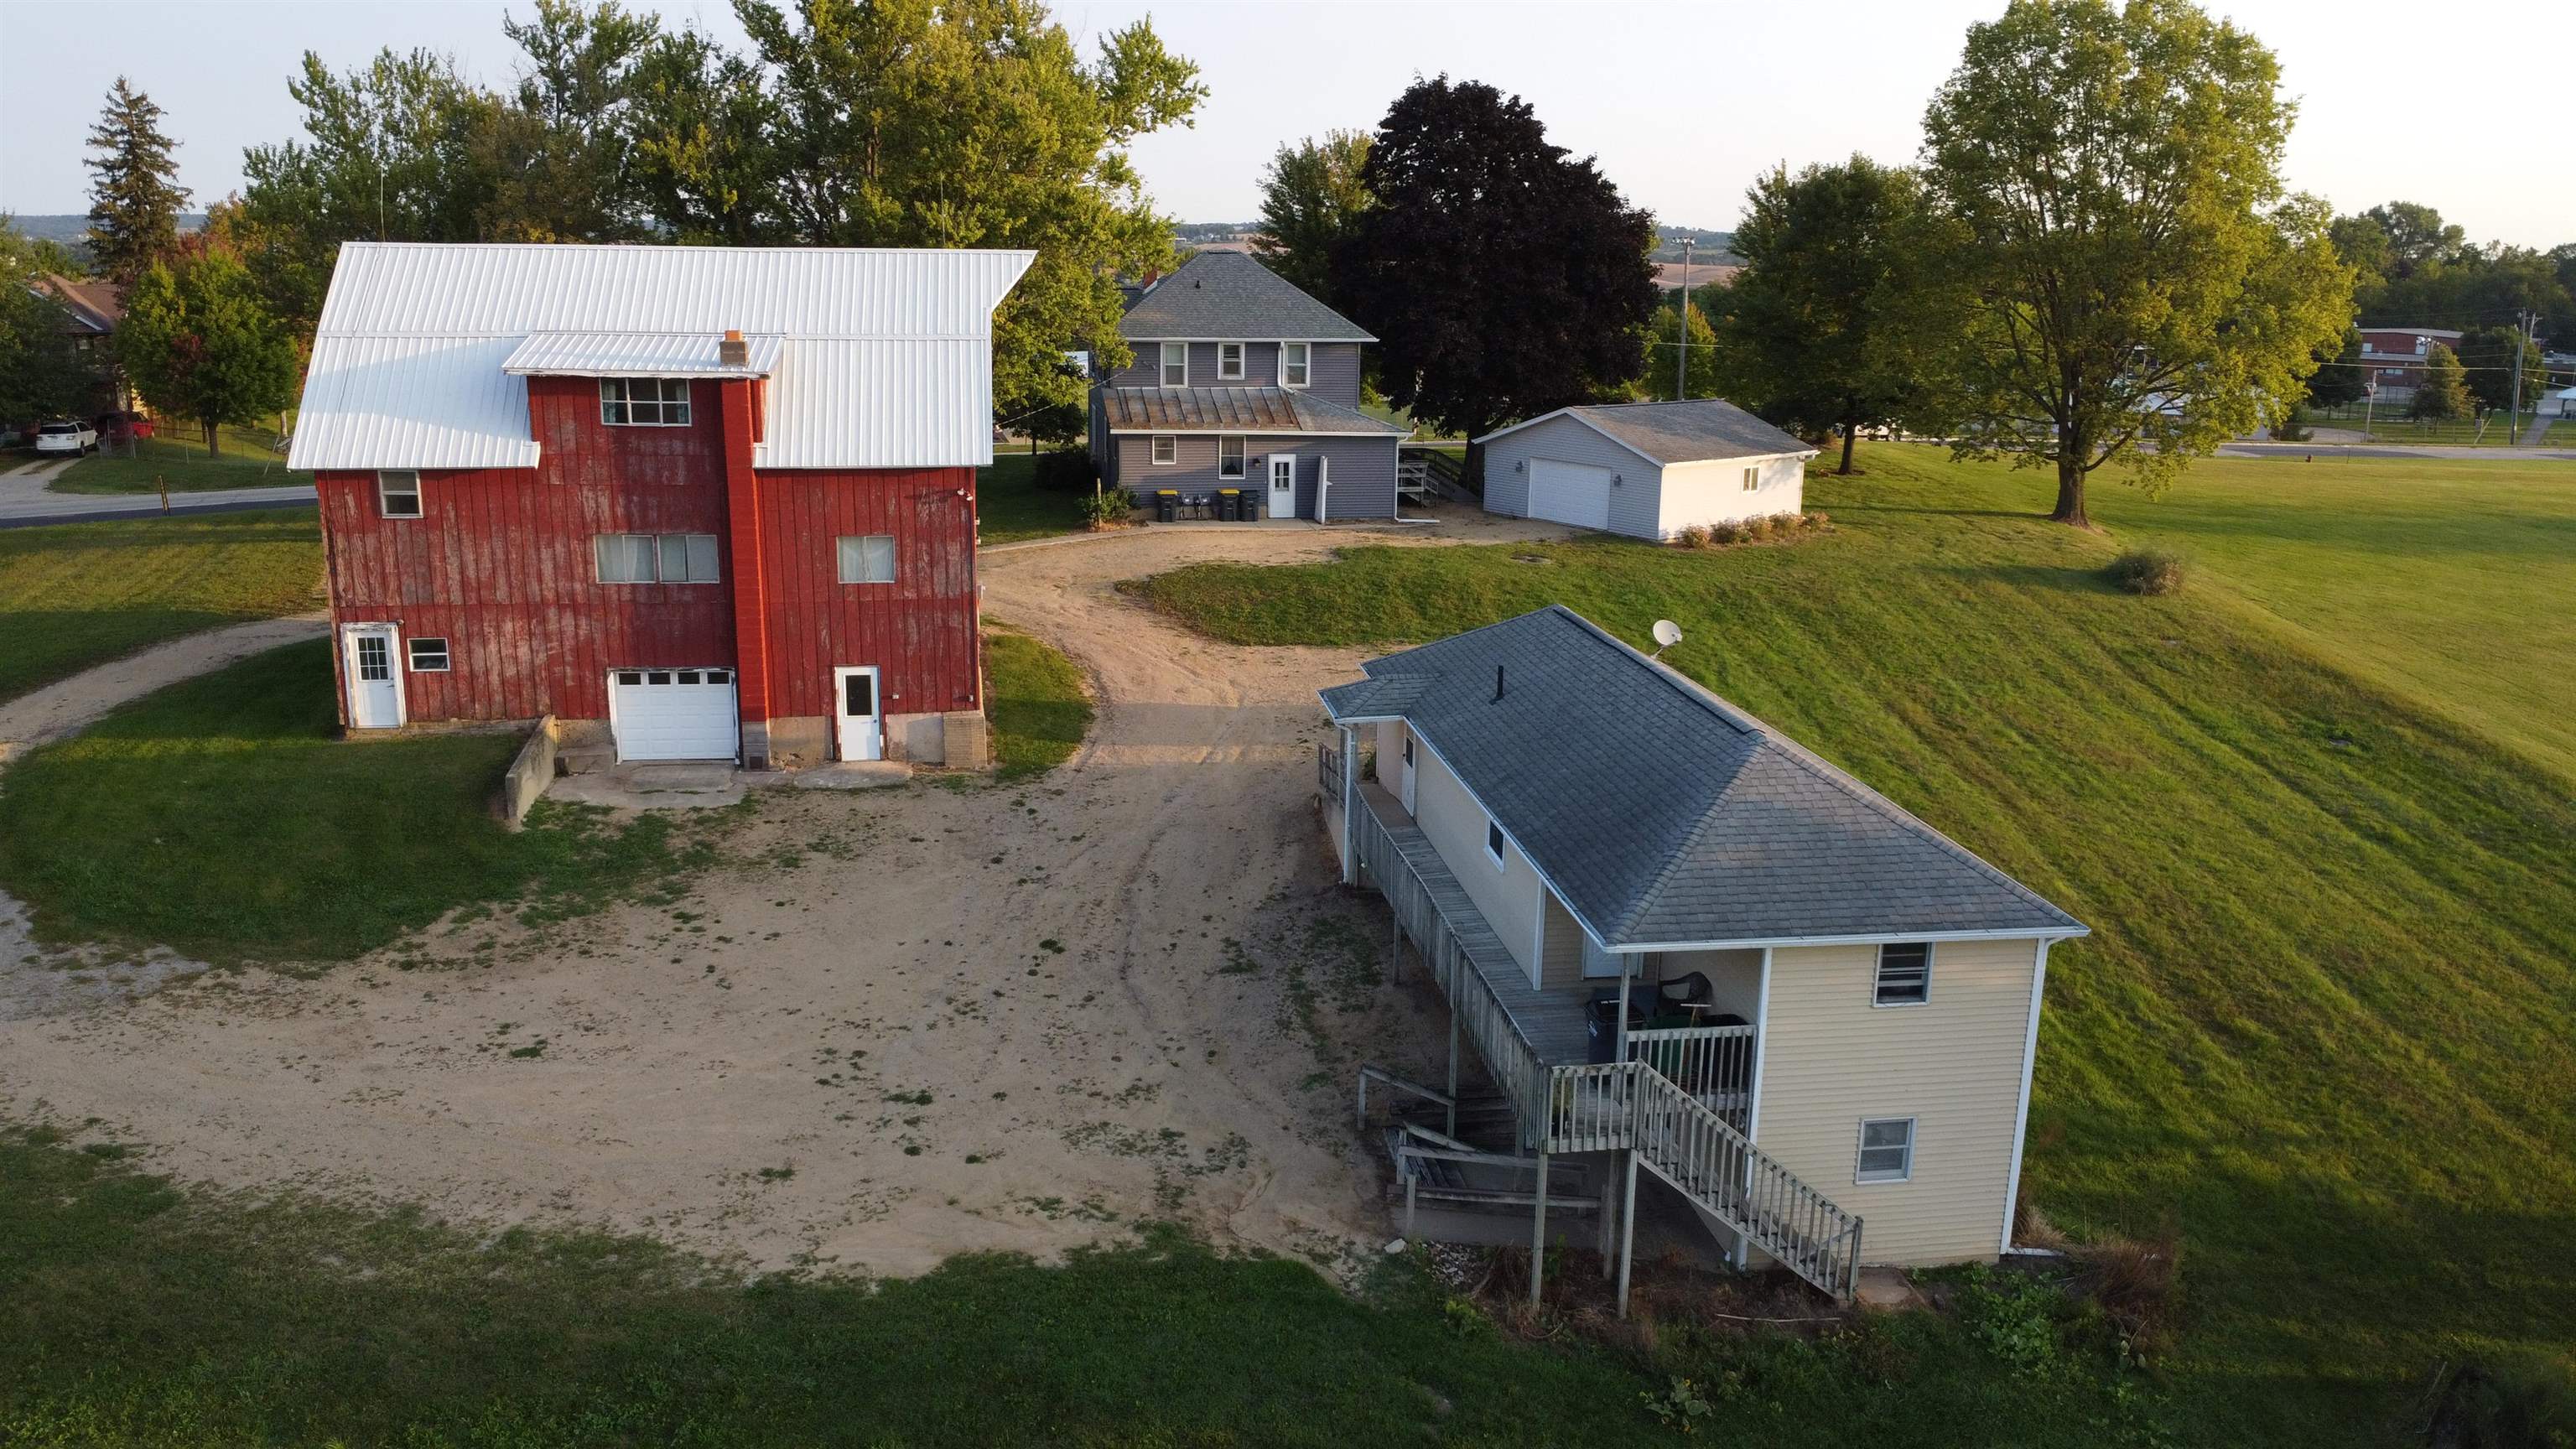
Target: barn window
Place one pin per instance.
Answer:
(1292, 364)
(398, 494)
(644, 402)
(648, 558)
(429, 656)
(868, 559)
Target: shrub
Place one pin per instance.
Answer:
(1729, 533)
(2134, 1281)
(1066, 470)
(2526, 1404)
(1820, 521)
(2148, 571)
(2293, 427)
(2012, 1315)
(1695, 536)
(1107, 508)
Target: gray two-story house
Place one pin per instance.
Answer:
(1242, 381)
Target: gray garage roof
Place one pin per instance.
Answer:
(1698, 431)
(1664, 815)
(1225, 296)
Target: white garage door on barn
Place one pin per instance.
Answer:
(1575, 493)
(673, 714)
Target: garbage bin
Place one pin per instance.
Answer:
(1167, 504)
(1601, 1023)
(1229, 504)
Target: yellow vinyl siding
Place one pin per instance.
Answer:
(1831, 1058)
(1455, 824)
(1561, 954)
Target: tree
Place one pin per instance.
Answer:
(2486, 357)
(1310, 196)
(198, 345)
(2127, 279)
(2340, 380)
(42, 370)
(1504, 276)
(2442, 392)
(1817, 330)
(1669, 331)
(134, 189)
(2417, 237)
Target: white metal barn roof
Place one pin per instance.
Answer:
(878, 358)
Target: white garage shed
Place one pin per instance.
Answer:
(1648, 470)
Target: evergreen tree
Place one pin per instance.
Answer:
(135, 195)
(2443, 391)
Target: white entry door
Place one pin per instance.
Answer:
(375, 685)
(862, 723)
(1283, 485)
(673, 714)
(1575, 493)
(1404, 777)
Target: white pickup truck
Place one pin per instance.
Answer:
(73, 438)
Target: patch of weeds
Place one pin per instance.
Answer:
(531, 1051)
(778, 1174)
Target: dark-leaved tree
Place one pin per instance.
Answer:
(1503, 276)
(134, 187)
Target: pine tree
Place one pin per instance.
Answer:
(2442, 392)
(135, 196)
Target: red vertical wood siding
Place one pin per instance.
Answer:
(920, 630)
(501, 565)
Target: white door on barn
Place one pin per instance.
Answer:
(861, 722)
(375, 685)
(1575, 493)
(673, 714)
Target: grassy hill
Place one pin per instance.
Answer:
(2327, 1024)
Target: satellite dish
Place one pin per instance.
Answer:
(1667, 634)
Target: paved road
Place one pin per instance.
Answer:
(2388, 450)
(2534, 435)
(26, 499)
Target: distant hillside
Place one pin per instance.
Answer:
(72, 228)
(1716, 247)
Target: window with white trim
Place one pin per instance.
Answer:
(1167, 450)
(1904, 974)
(1886, 1150)
(867, 559)
(398, 494)
(1229, 457)
(1494, 841)
(1176, 364)
(1229, 362)
(1294, 360)
(656, 558)
(1753, 479)
(644, 402)
(428, 656)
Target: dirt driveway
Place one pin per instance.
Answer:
(903, 1024)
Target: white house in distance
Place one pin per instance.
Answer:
(1648, 470)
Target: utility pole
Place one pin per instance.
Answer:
(1681, 329)
(2513, 404)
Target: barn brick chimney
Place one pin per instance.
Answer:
(733, 351)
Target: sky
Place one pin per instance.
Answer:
(1683, 104)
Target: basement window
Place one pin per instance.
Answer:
(867, 559)
(1886, 1150)
(644, 402)
(1904, 974)
(429, 656)
(398, 494)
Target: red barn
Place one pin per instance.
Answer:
(711, 502)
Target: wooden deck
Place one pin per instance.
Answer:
(1550, 1021)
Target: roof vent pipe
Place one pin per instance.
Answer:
(733, 351)
(1498, 681)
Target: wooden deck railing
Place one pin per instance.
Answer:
(1328, 773)
(1711, 1063)
(1694, 1149)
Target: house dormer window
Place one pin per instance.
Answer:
(1176, 364)
(1294, 359)
(644, 402)
(1229, 362)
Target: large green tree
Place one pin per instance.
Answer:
(134, 190)
(1819, 330)
(2340, 378)
(1504, 276)
(43, 372)
(2129, 281)
(198, 345)
(2442, 391)
(2487, 356)
(1310, 197)
(1671, 332)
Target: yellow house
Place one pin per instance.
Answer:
(1682, 944)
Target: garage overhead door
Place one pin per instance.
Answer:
(673, 714)
(1575, 493)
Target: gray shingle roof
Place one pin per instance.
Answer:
(1665, 815)
(1225, 295)
(1231, 410)
(1698, 431)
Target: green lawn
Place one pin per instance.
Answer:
(178, 457)
(2327, 1023)
(1035, 699)
(133, 1313)
(78, 594)
(1009, 506)
(222, 817)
